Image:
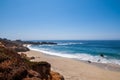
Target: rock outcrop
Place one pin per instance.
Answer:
(15, 67)
(39, 43)
(16, 46)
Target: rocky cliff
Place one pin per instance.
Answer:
(15, 67)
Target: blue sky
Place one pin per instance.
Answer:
(60, 19)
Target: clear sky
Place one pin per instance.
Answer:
(60, 19)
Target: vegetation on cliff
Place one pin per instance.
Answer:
(15, 67)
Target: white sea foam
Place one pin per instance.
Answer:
(79, 56)
(70, 43)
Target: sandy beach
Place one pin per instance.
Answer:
(75, 70)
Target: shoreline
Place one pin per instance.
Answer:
(77, 70)
(84, 57)
(106, 66)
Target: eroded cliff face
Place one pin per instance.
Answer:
(14, 67)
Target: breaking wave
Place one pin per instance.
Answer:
(78, 56)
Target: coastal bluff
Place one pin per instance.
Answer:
(15, 67)
(17, 45)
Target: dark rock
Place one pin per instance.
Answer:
(51, 43)
(32, 57)
(33, 78)
(32, 73)
(39, 43)
(102, 55)
(20, 74)
(43, 68)
(21, 49)
(89, 62)
(15, 45)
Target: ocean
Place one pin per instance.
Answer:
(87, 50)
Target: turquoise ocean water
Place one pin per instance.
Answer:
(83, 50)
